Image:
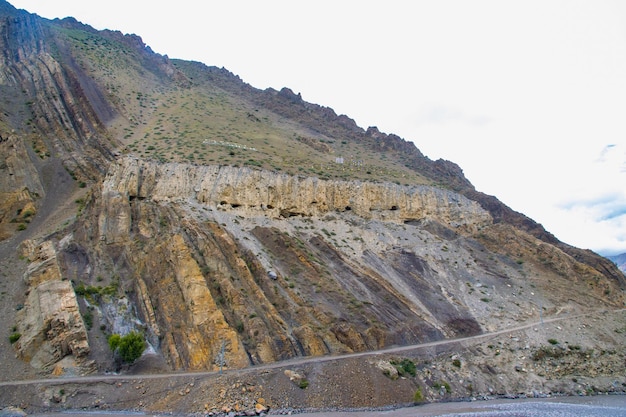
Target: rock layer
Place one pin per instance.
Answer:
(281, 195)
(50, 322)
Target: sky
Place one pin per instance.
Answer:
(527, 97)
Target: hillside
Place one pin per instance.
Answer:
(171, 198)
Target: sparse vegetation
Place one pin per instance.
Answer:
(405, 367)
(93, 292)
(442, 385)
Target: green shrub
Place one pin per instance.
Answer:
(114, 341)
(239, 326)
(418, 397)
(457, 363)
(304, 383)
(553, 341)
(406, 366)
(14, 337)
(91, 292)
(88, 319)
(129, 347)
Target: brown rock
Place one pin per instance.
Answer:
(260, 408)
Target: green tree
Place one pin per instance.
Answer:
(128, 347)
(114, 341)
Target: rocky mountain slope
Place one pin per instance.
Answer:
(166, 197)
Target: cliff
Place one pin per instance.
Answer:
(354, 266)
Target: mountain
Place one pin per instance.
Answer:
(237, 227)
(620, 261)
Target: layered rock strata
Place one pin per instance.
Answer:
(50, 323)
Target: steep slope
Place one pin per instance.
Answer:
(168, 197)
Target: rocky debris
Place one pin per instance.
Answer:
(388, 369)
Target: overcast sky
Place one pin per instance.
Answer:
(528, 97)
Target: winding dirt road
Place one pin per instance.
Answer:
(299, 361)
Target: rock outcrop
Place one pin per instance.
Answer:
(50, 323)
(280, 195)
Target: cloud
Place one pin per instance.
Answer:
(613, 156)
(604, 207)
(598, 222)
(438, 114)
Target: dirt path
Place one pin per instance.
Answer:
(302, 361)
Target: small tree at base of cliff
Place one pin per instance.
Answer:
(128, 347)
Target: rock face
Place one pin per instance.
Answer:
(50, 322)
(355, 266)
(228, 302)
(20, 186)
(280, 195)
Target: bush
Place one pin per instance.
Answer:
(406, 366)
(128, 347)
(131, 346)
(553, 341)
(114, 341)
(14, 337)
(418, 397)
(239, 326)
(88, 319)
